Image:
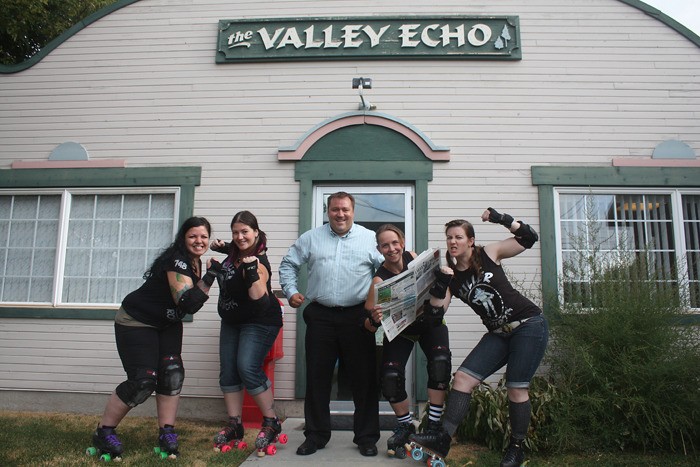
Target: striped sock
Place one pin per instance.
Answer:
(435, 412)
(406, 418)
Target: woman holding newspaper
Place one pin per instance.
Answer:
(517, 330)
(429, 331)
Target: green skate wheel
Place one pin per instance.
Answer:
(91, 451)
(156, 450)
(105, 457)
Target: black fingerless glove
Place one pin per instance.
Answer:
(442, 282)
(215, 270)
(496, 217)
(250, 273)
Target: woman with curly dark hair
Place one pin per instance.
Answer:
(148, 331)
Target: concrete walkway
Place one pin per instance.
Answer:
(339, 452)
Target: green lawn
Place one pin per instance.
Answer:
(54, 439)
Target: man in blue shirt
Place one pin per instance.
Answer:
(341, 258)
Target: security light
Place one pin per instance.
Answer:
(360, 84)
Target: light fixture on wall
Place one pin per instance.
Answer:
(360, 84)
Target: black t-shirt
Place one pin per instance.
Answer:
(153, 303)
(235, 305)
(491, 295)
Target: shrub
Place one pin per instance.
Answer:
(626, 370)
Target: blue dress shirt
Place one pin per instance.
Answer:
(340, 268)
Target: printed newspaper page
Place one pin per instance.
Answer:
(402, 296)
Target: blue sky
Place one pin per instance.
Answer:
(686, 12)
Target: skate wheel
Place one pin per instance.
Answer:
(225, 448)
(283, 438)
(242, 445)
(271, 450)
(91, 451)
(436, 463)
(400, 453)
(417, 454)
(105, 457)
(156, 450)
(261, 453)
(163, 455)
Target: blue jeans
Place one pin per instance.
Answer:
(522, 350)
(242, 352)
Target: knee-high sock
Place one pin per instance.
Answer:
(519, 418)
(457, 407)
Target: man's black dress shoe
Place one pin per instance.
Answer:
(368, 450)
(308, 447)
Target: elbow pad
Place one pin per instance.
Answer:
(191, 301)
(261, 303)
(526, 235)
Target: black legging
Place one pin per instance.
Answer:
(432, 339)
(143, 348)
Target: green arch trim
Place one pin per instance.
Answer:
(359, 154)
(298, 150)
(48, 48)
(187, 178)
(546, 178)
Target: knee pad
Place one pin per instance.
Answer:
(393, 383)
(135, 391)
(171, 375)
(439, 368)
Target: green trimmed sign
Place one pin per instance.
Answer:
(451, 37)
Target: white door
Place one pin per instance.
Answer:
(374, 205)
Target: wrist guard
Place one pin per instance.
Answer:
(434, 311)
(222, 249)
(250, 273)
(375, 324)
(442, 282)
(526, 235)
(496, 217)
(208, 278)
(214, 272)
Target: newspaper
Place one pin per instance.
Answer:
(402, 296)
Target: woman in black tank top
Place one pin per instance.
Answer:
(430, 332)
(517, 331)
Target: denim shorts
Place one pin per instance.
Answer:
(522, 350)
(242, 352)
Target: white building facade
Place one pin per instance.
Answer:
(153, 110)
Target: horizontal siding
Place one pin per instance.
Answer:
(598, 80)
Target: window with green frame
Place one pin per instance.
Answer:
(651, 213)
(69, 250)
(658, 229)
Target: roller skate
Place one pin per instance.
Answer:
(106, 445)
(230, 436)
(432, 445)
(167, 443)
(270, 433)
(515, 454)
(396, 445)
